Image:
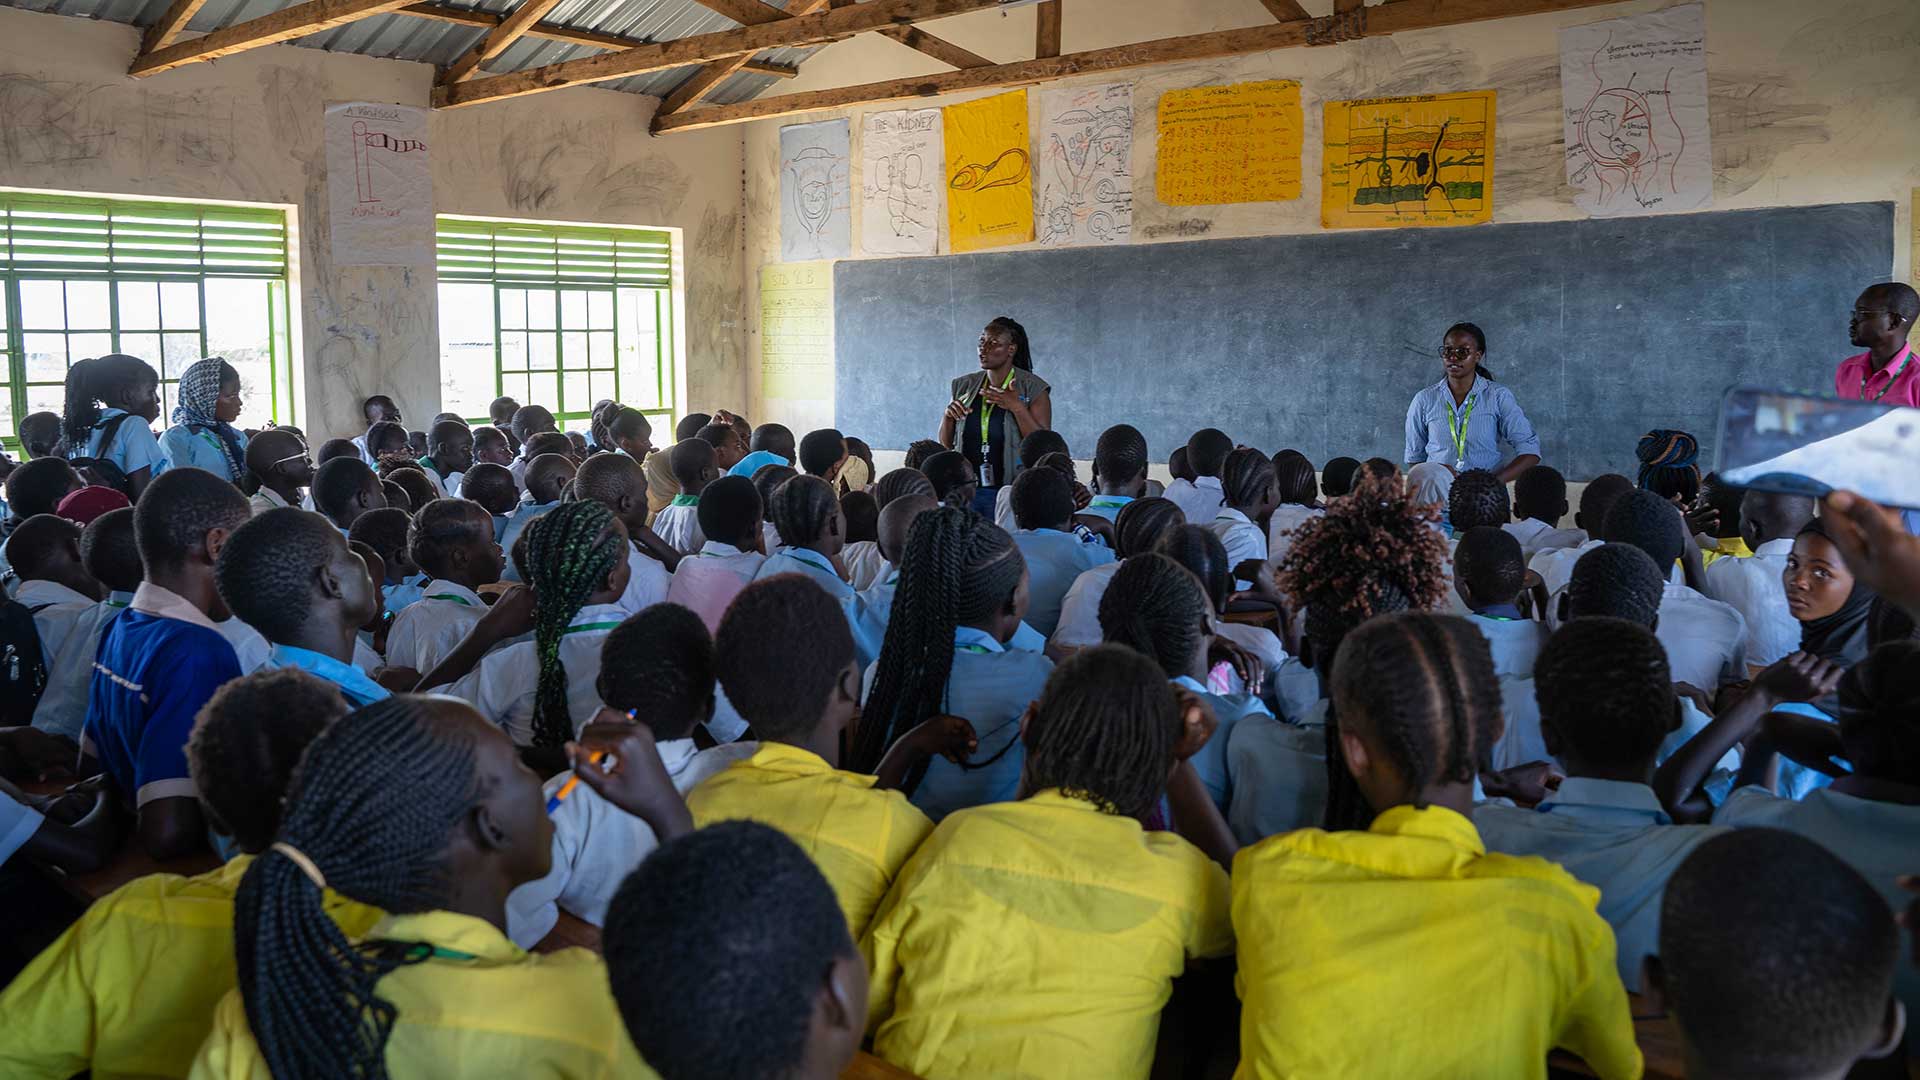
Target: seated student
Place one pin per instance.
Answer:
(961, 595)
(546, 478)
(339, 448)
(280, 469)
(1139, 526)
(1201, 497)
(1787, 973)
(799, 703)
(377, 409)
(1033, 448)
(1555, 565)
(629, 433)
(772, 445)
(1706, 640)
(656, 670)
(1768, 522)
(386, 532)
(1715, 518)
(385, 441)
(861, 557)
(40, 435)
(543, 691)
(416, 443)
(1201, 552)
(396, 496)
(164, 657)
(1488, 572)
(728, 446)
(345, 488)
(111, 556)
(412, 480)
(1339, 476)
(1299, 500)
(528, 421)
(33, 488)
(1119, 471)
(1431, 484)
(130, 989)
(919, 450)
(1380, 468)
(54, 584)
(765, 482)
(203, 435)
(619, 484)
(366, 656)
(1669, 466)
(661, 486)
(1539, 502)
(1069, 880)
(452, 541)
(1043, 507)
(1831, 605)
(694, 467)
(730, 960)
(494, 446)
(1156, 607)
(500, 415)
(1478, 498)
(449, 455)
(730, 516)
(823, 453)
(418, 808)
(110, 402)
(1606, 706)
(858, 473)
(1509, 948)
(1251, 491)
(954, 481)
(293, 579)
(900, 483)
(492, 487)
(806, 511)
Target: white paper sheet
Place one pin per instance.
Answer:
(1086, 165)
(901, 154)
(1635, 96)
(379, 185)
(815, 203)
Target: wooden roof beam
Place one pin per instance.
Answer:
(702, 82)
(939, 48)
(171, 22)
(287, 24)
(1046, 39)
(571, 36)
(509, 31)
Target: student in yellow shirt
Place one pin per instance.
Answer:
(1040, 938)
(730, 960)
(129, 989)
(420, 807)
(1408, 950)
(784, 655)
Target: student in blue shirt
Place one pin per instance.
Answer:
(292, 577)
(164, 657)
(203, 435)
(772, 445)
(111, 400)
(962, 595)
(1461, 420)
(812, 530)
(1119, 470)
(492, 487)
(1043, 507)
(547, 477)
(386, 531)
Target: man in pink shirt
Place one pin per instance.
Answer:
(1887, 371)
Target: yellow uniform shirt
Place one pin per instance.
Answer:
(1733, 548)
(1408, 951)
(1039, 938)
(480, 1006)
(859, 837)
(129, 989)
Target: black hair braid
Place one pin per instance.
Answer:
(1461, 742)
(957, 568)
(1141, 523)
(801, 508)
(1022, 351)
(371, 805)
(1247, 477)
(1104, 730)
(1205, 557)
(570, 550)
(1157, 608)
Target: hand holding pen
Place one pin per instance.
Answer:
(620, 761)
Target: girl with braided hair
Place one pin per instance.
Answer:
(1252, 493)
(1205, 557)
(1508, 947)
(960, 599)
(422, 809)
(1299, 500)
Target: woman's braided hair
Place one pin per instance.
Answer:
(957, 569)
(372, 804)
(1155, 607)
(801, 508)
(1105, 729)
(1247, 477)
(570, 551)
(1141, 523)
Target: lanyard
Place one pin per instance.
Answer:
(1908, 359)
(1457, 425)
(974, 649)
(461, 600)
(986, 411)
(824, 563)
(584, 627)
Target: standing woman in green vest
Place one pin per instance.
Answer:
(994, 408)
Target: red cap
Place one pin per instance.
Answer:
(90, 502)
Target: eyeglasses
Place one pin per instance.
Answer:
(1863, 313)
(1455, 352)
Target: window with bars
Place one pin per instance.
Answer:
(555, 315)
(167, 282)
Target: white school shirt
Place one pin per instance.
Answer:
(249, 645)
(264, 500)
(1612, 835)
(60, 609)
(1200, 500)
(360, 443)
(1242, 538)
(62, 709)
(1555, 565)
(1536, 536)
(678, 523)
(505, 682)
(1054, 560)
(1515, 643)
(705, 583)
(428, 630)
(1875, 838)
(1280, 527)
(647, 581)
(1278, 772)
(1079, 625)
(1752, 587)
(1003, 509)
(517, 523)
(1706, 640)
(596, 844)
(865, 565)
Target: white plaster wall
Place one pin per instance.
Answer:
(249, 128)
(1811, 103)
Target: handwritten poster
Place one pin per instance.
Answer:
(1408, 161)
(1086, 165)
(379, 185)
(900, 171)
(1635, 97)
(989, 173)
(796, 330)
(1230, 144)
(816, 219)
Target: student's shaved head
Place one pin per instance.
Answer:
(896, 521)
(607, 477)
(547, 474)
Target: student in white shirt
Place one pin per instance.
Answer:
(343, 489)
(619, 483)
(452, 541)
(1539, 503)
(110, 555)
(491, 446)
(1706, 640)
(766, 481)
(1138, 528)
(678, 523)
(1299, 501)
(1555, 565)
(1606, 705)
(1032, 448)
(1201, 498)
(1043, 506)
(1251, 492)
(55, 584)
(449, 455)
(1769, 521)
(1119, 471)
(708, 580)
(656, 670)
(1488, 574)
(280, 468)
(861, 558)
(546, 478)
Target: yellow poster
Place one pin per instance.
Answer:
(989, 173)
(1230, 144)
(796, 330)
(1408, 161)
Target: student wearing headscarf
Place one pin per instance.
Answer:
(1430, 483)
(1669, 465)
(203, 435)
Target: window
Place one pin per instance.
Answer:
(167, 282)
(555, 315)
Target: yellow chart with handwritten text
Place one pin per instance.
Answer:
(1408, 161)
(1229, 144)
(796, 330)
(989, 173)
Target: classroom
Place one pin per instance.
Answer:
(951, 539)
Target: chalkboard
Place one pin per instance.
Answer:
(1603, 328)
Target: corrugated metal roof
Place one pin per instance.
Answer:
(434, 41)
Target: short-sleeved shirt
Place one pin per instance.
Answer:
(1536, 536)
(648, 580)
(428, 631)
(1896, 384)
(756, 461)
(708, 580)
(517, 523)
(678, 524)
(506, 682)
(354, 684)
(1079, 623)
(1210, 764)
(1752, 586)
(133, 447)
(62, 709)
(1278, 773)
(1706, 640)
(184, 448)
(1199, 500)
(1054, 559)
(1282, 525)
(1495, 418)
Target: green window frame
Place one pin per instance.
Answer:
(87, 275)
(555, 315)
